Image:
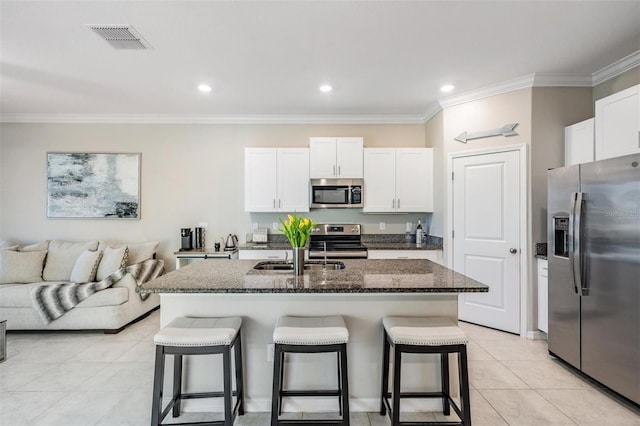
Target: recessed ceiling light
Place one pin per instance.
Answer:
(205, 88)
(447, 88)
(326, 88)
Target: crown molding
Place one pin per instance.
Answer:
(490, 90)
(432, 110)
(209, 119)
(561, 80)
(616, 68)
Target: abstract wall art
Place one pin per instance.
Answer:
(93, 185)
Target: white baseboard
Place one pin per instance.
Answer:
(536, 335)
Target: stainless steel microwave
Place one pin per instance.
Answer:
(336, 193)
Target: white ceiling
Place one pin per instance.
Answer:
(268, 58)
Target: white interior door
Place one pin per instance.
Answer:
(486, 236)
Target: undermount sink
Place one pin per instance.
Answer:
(282, 265)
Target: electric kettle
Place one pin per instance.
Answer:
(231, 243)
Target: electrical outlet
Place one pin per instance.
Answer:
(203, 225)
(271, 348)
(255, 226)
(383, 226)
(275, 226)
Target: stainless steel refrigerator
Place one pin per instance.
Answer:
(594, 270)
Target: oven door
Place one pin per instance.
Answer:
(330, 196)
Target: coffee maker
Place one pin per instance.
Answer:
(186, 240)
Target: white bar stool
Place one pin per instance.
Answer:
(310, 335)
(198, 336)
(425, 335)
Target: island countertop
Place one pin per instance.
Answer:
(359, 276)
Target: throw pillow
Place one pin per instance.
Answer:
(86, 266)
(62, 258)
(8, 245)
(44, 245)
(138, 252)
(21, 267)
(112, 260)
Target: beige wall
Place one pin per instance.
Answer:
(190, 174)
(623, 81)
(434, 134)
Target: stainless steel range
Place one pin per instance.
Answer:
(336, 241)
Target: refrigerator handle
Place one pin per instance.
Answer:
(572, 242)
(579, 261)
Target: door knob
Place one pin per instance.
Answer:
(513, 250)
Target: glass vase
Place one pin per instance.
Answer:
(298, 260)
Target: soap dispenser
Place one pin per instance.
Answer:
(419, 233)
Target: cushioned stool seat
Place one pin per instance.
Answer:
(199, 336)
(427, 335)
(310, 335)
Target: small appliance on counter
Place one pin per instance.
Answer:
(186, 239)
(198, 238)
(231, 243)
(260, 235)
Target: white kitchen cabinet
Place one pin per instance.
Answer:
(432, 255)
(579, 143)
(336, 158)
(263, 254)
(543, 291)
(276, 180)
(617, 125)
(398, 180)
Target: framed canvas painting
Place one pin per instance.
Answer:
(93, 185)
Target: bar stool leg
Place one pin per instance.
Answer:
(345, 385)
(397, 364)
(444, 369)
(339, 384)
(281, 386)
(177, 384)
(158, 377)
(239, 374)
(385, 373)
(226, 363)
(464, 385)
(277, 383)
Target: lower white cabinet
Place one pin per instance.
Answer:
(432, 255)
(543, 298)
(264, 254)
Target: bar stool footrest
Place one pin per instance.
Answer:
(286, 393)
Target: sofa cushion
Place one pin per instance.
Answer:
(86, 266)
(138, 252)
(44, 245)
(21, 267)
(112, 260)
(19, 296)
(62, 257)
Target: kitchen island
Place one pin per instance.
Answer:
(363, 292)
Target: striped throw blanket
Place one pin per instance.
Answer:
(53, 301)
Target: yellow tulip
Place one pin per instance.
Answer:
(307, 222)
(290, 218)
(286, 223)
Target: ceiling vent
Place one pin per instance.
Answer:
(121, 36)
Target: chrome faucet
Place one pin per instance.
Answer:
(286, 256)
(325, 255)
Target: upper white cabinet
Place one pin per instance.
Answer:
(398, 180)
(617, 126)
(579, 145)
(333, 158)
(276, 179)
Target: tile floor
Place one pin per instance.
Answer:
(96, 379)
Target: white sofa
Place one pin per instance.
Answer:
(109, 310)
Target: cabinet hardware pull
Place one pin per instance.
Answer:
(398, 202)
(393, 203)
(279, 203)
(334, 170)
(274, 203)
(339, 173)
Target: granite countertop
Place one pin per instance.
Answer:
(370, 246)
(359, 276)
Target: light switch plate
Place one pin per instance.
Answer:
(203, 225)
(383, 226)
(275, 226)
(270, 351)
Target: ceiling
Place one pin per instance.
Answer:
(268, 58)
